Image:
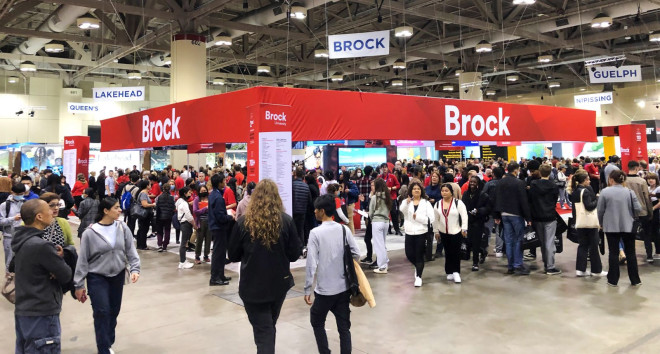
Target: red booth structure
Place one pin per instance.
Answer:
(632, 138)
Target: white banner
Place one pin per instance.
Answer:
(119, 93)
(605, 74)
(69, 165)
(82, 108)
(275, 164)
(593, 99)
(359, 44)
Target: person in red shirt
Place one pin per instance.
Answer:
(122, 177)
(393, 186)
(178, 181)
(228, 196)
(154, 191)
(78, 189)
(238, 175)
(593, 170)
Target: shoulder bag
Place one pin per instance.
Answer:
(637, 230)
(585, 219)
(138, 211)
(349, 273)
(9, 288)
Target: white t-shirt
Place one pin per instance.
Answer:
(108, 232)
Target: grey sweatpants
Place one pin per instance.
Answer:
(546, 232)
(379, 232)
(6, 244)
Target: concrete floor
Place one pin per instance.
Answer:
(173, 311)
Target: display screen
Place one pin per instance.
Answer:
(362, 157)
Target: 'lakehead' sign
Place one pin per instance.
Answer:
(117, 94)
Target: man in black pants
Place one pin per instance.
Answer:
(302, 199)
(219, 223)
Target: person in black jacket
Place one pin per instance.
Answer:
(40, 274)
(165, 209)
(476, 204)
(55, 186)
(543, 195)
(220, 224)
(100, 185)
(310, 219)
(265, 242)
(302, 199)
(588, 238)
(512, 210)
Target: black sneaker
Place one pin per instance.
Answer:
(553, 271)
(475, 268)
(366, 260)
(510, 271)
(373, 265)
(529, 257)
(482, 259)
(521, 271)
(160, 249)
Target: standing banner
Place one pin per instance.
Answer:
(269, 148)
(75, 157)
(359, 45)
(633, 143)
(624, 73)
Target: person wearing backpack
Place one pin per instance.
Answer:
(128, 197)
(325, 263)
(10, 218)
(165, 209)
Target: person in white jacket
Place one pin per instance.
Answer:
(562, 182)
(418, 218)
(185, 217)
(451, 225)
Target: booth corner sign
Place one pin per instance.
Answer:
(593, 99)
(606, 74)
(82, 108)
(119, 93)
(359, 45)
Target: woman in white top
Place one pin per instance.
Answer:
(451, 226)
(418, 221)
(186, 220)
(562, 182)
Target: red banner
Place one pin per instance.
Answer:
(345, 115)
(633, 144)
(206, 148)
(75, 158)
(447, 146)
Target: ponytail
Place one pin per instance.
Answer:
(618, 176)
(578, 179)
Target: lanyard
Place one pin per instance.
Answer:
(445, 213)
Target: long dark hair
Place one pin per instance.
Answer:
(578, 179)
(381, 186)
(105, 203)
(618, 176)
(419, 184)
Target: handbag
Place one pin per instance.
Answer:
(585, 219)
(349, 269)
(637, 229)
(571, 233)
(138, 211)
(465, 251)
(530, 239)
(9, 288)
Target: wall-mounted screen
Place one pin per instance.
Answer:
(362, 157)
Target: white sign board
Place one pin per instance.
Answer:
(69, 165)
(275, 164)
(605, 74)
(82, 108)
(593, 99)
(359, 45)
(118, 94)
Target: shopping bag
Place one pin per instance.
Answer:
(365, 289)
(530, 239)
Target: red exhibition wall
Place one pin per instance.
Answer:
(80, 147)
(344, 115)
(633, 143)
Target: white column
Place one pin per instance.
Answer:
(70, 123)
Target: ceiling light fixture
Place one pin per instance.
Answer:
(484, 47)
(397, 82)
(12, 79)
(545, 58)
(399, 64)
(28, 66)
(263, 68)
(54, 48)
(512, 78)
(337, 77)
(554, 84)
(601, 20)
(654, 37)
(297, 11)
(223, 39)
(459, 72)
(403, 31)
(524, 2)
(134, 75)
(289, 85)
(491, 93)
(448, 88)
(167, 60)
(88, 22)
(218, 82)
(321, 53)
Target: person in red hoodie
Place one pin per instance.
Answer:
(78, 189)
(393, 186)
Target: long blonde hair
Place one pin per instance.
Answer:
(263, 218)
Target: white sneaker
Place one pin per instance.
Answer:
(450, 277)
(601, 274)
(111, 351)
(583, 274)
(499, 254)
(380, 270)
(418, 282)
(185, 265)
(656, 256)
(457, 278)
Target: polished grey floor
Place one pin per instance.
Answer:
(174, 311)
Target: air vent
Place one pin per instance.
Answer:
(561, 22)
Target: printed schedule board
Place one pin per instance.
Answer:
(451, 154)
(493, 152)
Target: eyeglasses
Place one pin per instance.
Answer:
(54, 205)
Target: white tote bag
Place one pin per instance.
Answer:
(585, 219)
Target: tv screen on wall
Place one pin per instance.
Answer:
(362, 157)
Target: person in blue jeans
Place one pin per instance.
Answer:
(512, 211)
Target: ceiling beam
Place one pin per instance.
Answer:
(108, 7)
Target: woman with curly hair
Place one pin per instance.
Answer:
(265, 242)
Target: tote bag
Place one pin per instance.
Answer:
(585, 219)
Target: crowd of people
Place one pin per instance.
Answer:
(457, 205)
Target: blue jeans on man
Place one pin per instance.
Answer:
(38, 334)
(513, 229)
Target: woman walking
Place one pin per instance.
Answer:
(588, 238)
(418, 220)
(88, 210)
(106, 249)
(380, 205)
(186, 220)
(433, 192)
(265, 242)
(59, 231)
(617, 207)
(452, 226)
(165, 209)
(144, 202)
(78, 189)
(476, 203)
(562, 181)
(201, 211)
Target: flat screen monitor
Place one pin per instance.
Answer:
(362, 157)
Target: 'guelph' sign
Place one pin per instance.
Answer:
(457, 124)
(157, 130)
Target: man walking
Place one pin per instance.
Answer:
(512, 210)
(325, 262)
(640, 187)
(219, 224)
(302, 199)
(40, 274)
(543, 194)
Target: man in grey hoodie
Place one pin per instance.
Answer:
(10, 218)
(40, 274)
